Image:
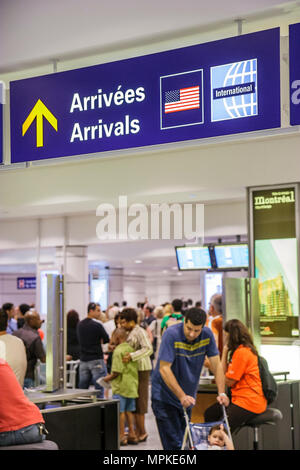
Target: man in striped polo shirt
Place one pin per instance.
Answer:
(176, 376)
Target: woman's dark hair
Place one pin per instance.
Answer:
(117, 318)
(72, 319)
(3, 320)
(7, 306)
(238, 334)
(197, 316)
(24, 308)
(129, 314)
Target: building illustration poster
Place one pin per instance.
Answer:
(276, 269)
(275, 261)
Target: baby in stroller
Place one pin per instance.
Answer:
(207, 436)
(217, 439)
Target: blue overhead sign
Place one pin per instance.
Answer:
(213, 89)
(294, 48)
(26, 282)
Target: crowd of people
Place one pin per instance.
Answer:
(169, 346)
(21, 421)
(123, 350)
(21, 340)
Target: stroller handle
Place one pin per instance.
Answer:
(224, 417)
(226, 421)
(223, 409)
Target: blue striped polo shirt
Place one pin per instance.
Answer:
(187, 359)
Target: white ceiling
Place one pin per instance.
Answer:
(151, 258)
(37, 31)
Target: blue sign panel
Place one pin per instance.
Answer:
(212, 89)
(294, 74)
(26, 283)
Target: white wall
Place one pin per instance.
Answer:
(134, 290)
(283, 358)
(186, 289)
(10, 293)
(214, 174)
(158, 290)
(115, 290)
(220, 219)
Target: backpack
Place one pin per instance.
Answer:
(268, 382)
(168, 320)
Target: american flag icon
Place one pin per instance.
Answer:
(182, 99)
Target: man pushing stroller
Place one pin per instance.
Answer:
(175, 379)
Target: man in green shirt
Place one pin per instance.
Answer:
(124, 383)
(173, 318)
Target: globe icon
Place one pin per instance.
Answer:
(241, 73)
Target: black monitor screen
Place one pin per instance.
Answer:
(233, 256)
(193, 257)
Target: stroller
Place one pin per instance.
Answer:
(197, 433)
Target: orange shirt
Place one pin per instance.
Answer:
(216, 326)
(41, 333)
(247, 392)
(16, 410)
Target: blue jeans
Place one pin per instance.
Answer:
(27, 435)
(126, 404)
(89, 372)
(28, 383)
(170, 423)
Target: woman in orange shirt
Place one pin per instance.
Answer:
(240, 365)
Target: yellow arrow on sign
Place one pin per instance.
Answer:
(39, 111)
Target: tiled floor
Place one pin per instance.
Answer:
(153, 441)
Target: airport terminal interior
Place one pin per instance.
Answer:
(150, 152)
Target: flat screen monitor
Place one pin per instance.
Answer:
(193, 258)
(232, 256)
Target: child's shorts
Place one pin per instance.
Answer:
(126, 404)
